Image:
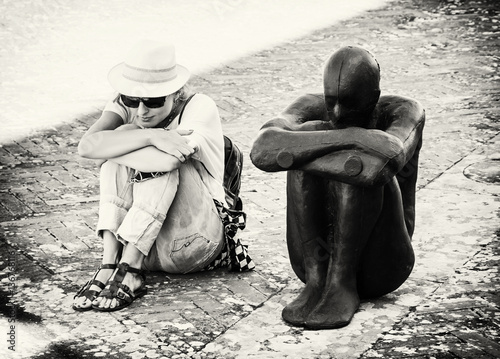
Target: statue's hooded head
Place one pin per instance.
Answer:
(351, 83)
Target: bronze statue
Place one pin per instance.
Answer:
(352, 159)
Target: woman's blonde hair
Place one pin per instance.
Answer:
(183, 93)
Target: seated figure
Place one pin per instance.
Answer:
(352, 159)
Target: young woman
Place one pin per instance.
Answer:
(158, 180)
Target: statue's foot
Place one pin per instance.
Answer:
(297, 311)
(334, 310)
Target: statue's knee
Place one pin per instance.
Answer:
(386, 274)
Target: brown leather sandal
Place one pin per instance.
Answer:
(85, 291)
(125, 297)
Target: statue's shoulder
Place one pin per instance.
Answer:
(390, 109)
(395, 101)
(307, 107)
(311, 99)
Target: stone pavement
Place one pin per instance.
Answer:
(443, 53)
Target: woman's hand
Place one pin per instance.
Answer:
(168, 141)
(173, 142)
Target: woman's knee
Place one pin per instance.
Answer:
(114, 178)
(109, 168)
(111, 171)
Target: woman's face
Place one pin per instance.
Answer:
(150, 117)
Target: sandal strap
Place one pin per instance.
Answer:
(108, 266)
(113, 292)
(85, 289)
(91, 294)
(127, 268)
(119, 274)
(113, 286)
(98, 283)
(126, 294)
(123, 268)
(82, 289)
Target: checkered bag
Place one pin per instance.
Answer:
(239, 259)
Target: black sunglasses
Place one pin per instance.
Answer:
(154, 102)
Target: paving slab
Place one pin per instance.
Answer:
(443, 53)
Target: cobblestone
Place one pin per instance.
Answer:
(443, 53)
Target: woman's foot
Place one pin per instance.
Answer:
(124, 286)
(90, 290)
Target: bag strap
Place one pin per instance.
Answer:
(184, 106)
(177, 110)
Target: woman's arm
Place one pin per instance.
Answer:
(101, 141)
(148, 159)
(201, 115)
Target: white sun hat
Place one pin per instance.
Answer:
(150, 70)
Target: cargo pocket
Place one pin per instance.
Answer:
(191, 253)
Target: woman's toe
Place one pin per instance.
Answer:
(106, 303)
(79, 302)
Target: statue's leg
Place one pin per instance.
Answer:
(354, 211)
(307, 238)
(388, 258)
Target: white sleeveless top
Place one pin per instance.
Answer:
(202, 116)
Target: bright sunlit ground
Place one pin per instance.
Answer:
(55, 55)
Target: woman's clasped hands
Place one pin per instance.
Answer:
(174, 142)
